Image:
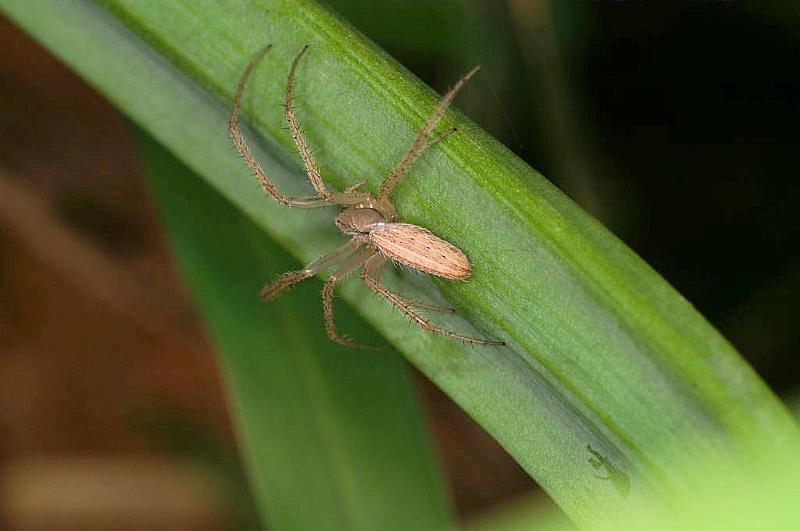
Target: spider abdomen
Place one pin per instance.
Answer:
(418, 248)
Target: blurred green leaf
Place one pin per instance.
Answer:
(757, 494)
(332, 437)
(609, 376)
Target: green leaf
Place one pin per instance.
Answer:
(758, 494)
(609, 374)
(332, 437)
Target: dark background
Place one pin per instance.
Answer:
(675, 124)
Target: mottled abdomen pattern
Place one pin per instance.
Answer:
(419, 248)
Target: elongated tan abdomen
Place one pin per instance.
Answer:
(419, 248)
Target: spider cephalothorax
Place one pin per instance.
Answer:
(370, 222)
(359, 222)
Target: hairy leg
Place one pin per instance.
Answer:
(288, 280)
(244, 150)
(297, 135)
(378, 271)
(366, 275)
(327, 300)
(355, 186)
(425, 306)
(422, 141)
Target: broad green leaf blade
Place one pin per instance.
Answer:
(609, 373)
(332, 437)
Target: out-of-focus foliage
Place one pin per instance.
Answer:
(332, 437)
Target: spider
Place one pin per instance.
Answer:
(371, 222)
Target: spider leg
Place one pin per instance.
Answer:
(375, 263)
(244, 150)
(438, 138)
(288, 280)
(350, 195)
(347, 268)
(416, 304)
(378, 271)
(297, 135)
(422, 142)
(355, 186)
